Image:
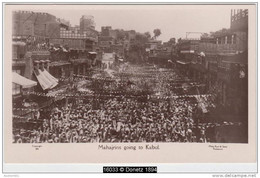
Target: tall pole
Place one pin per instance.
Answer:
(231, 17)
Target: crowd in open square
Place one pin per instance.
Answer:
(74, 84)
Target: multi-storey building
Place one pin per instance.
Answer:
(28, 23)
(87, 22)
(31, 32)
(187, 50)
(80, 42)
(46, 49)
(105, 30)
(220, 61)
(114, 41)
(239, 20)
(36, 30)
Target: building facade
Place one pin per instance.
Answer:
(87, 22)
(221, 62)
(76, 43)
(46, 50)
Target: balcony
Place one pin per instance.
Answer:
(210, 48)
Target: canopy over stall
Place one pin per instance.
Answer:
(46, 80)
(24, 82)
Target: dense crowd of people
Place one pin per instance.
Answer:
(124, 119)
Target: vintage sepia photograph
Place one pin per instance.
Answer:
(140, 76)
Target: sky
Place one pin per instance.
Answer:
(172, 20)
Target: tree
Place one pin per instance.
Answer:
(147, 34)
(141, 38)
(157, 32)
(172, 41)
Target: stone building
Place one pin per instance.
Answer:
(79, 44)
(221, 62)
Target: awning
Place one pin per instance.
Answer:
(45, 83)
(182, 62)
(46, 80)
(24, 82)
(46, 73)
(92, 52)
